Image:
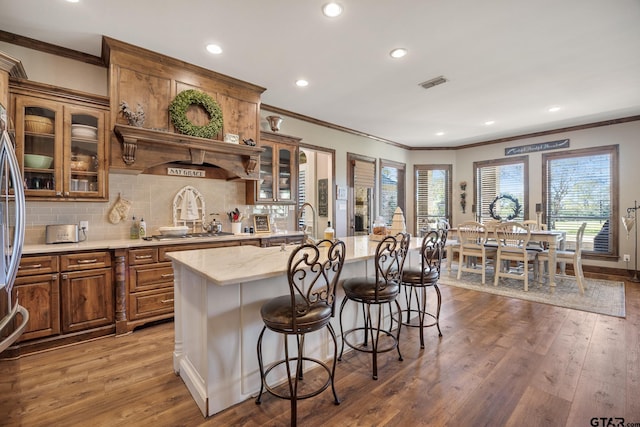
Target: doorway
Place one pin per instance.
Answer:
(361, 173)
(316, 186)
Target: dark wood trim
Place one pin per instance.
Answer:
(28, 87)
(328, 125)
(541, 133)
(50, 48)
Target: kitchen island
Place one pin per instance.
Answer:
(218, 294)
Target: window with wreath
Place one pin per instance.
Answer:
(392, 184)
(581, 186)
(432, 184)
(501, 189)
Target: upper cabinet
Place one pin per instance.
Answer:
(278, 170)
(60, 142)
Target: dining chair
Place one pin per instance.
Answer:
(568, 257)
(313, 272)
(378, 290)
(513, 240)
(473, 237)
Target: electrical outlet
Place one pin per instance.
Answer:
(84, 225)
(626, 257)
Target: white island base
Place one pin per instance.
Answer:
(218, 295)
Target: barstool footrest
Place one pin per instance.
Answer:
(360, 347)
(272, 388)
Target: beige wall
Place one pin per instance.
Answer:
(151, 195)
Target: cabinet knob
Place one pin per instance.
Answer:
(65, 276)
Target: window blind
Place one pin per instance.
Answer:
(433, 193)
(364, 174)
(497, 178)
(579, 189)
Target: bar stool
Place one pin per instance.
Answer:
(313, 272)
(415, 282)
(379, 290)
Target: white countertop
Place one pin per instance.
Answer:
(241, 264)
(90, 245)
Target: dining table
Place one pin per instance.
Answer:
(554, 240)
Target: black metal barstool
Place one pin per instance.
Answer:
(379, 290)
(313, 272)
(416, 280)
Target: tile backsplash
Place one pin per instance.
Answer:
(151, 198)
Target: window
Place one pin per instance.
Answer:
(581, 186)
(392, 188)
(501, 189)
(432, 185)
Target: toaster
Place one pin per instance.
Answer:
(62, 233)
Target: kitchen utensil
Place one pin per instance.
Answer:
(84, 131)
(37, 161)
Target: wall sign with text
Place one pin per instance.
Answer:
(542, 146)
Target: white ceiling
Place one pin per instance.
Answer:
(506, 60)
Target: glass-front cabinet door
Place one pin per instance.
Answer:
(278, 170)
(266, 174)
(61, 148)
(84, 147)
(286, 179)
(39, 128)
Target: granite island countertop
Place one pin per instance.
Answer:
(241, 264)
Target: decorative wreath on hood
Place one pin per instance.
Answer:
(502, 207)
(178, 112)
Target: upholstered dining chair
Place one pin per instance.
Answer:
(568, 257)
(513, 240)
(378, 291)
(416, 281)
(473, 237)
(313, 272)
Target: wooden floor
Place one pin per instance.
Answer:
(500, 362)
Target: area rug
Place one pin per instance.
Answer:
(600, 296)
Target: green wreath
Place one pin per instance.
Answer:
(178, 112)
(516, 207)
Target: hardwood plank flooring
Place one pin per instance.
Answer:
(500, 362)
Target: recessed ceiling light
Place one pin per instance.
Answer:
(553, 109)
(398, 52)
(214, 48)
(331, 10)
(439, 133)
(302, 83)
(489, 122)
(73, 1)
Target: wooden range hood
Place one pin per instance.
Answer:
(144, 149)
(140, 76)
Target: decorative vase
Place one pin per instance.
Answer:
(274, 122)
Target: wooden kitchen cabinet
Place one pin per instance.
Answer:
(278, 170)
(86, 299)
(37, 288)
(61, 141)
(86, 292)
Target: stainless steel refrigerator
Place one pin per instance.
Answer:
(13, 317)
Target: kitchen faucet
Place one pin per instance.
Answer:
(307, 238)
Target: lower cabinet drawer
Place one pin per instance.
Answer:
(150, 303)
(150, 277)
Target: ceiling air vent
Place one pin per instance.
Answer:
(433, 82)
